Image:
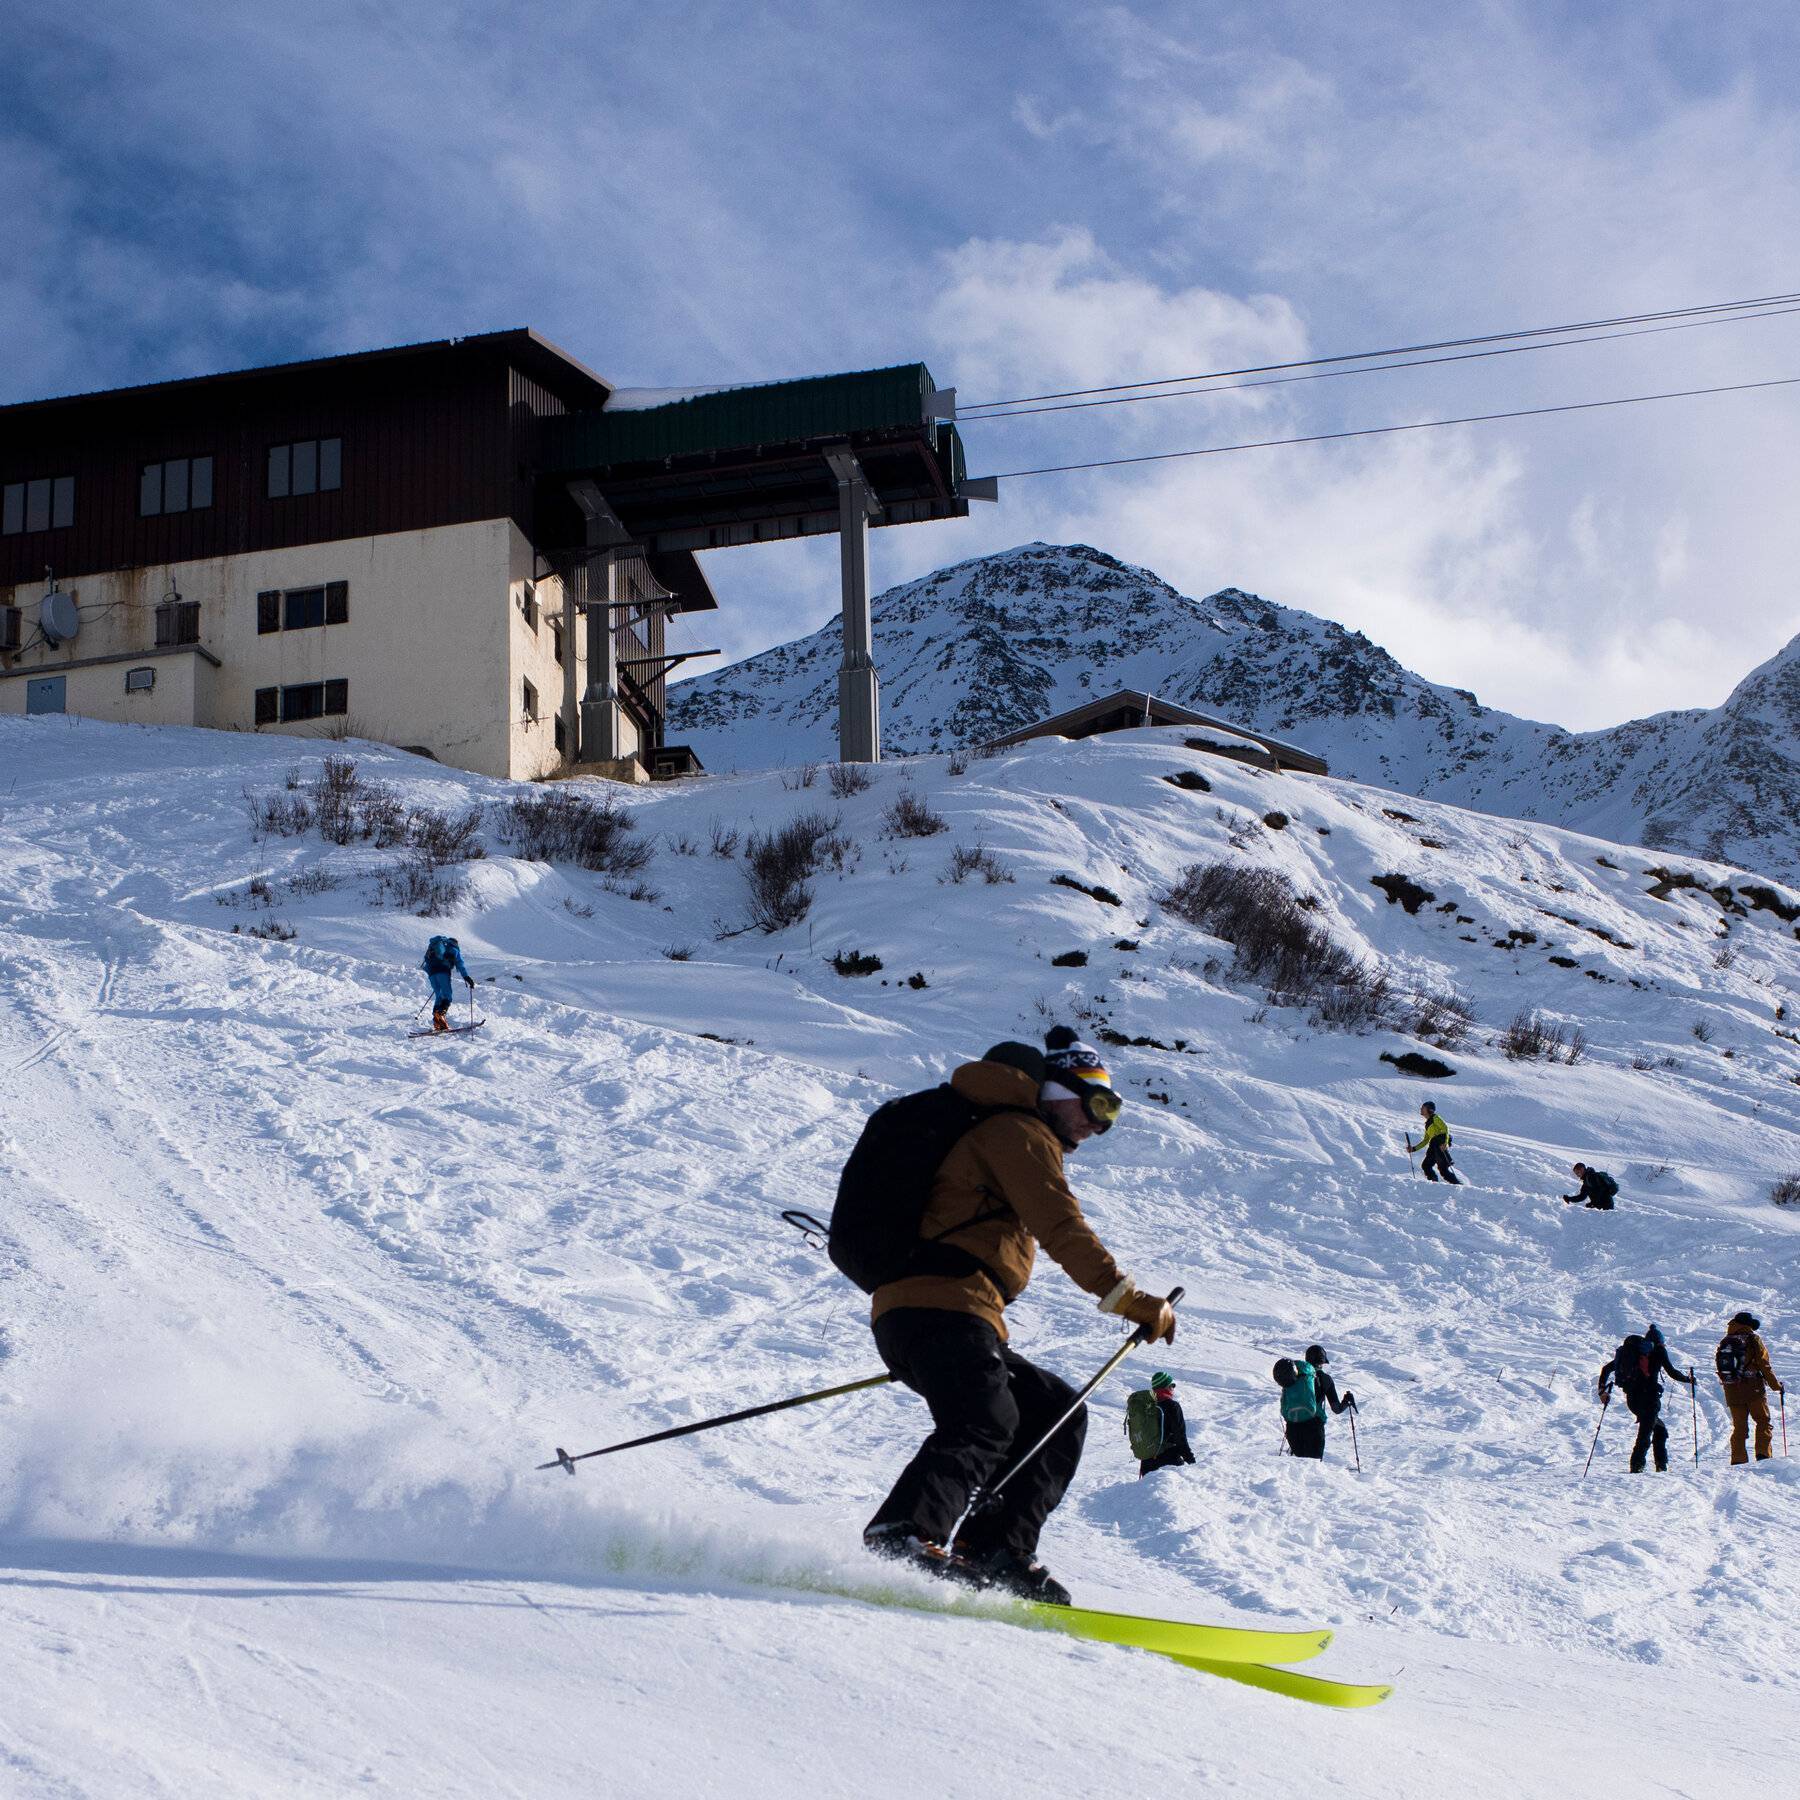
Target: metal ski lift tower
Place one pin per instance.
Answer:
(664, 476)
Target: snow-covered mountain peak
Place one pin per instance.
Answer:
(987, 646)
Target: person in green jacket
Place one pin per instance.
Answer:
(1434, 1140)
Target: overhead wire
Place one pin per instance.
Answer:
(1312, 362)
(1376, 368)
(1326, 437)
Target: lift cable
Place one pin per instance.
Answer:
(1419, 362)
(1327, 437)
(1313, 362)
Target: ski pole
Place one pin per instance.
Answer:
(1354, 1447)
(1784, 1421)
(1694, 1407)
(1605, 1402)
(1409, 1153)
(563, 1460)
(989, 1494)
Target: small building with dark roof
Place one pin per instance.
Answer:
(1127, 711)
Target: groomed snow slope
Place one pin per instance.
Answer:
(294, 1304)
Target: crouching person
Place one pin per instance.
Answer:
(998, 1193)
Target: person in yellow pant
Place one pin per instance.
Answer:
(1744, 1375)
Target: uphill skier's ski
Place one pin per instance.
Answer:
(449, 1030)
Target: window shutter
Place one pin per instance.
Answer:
(265, 706)
(268, 611)
(337, 698)
(337, 602)
(165, 626)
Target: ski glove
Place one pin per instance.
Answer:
(470, 981)
(1148, 1310)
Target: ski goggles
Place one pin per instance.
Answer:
(1098, 1101)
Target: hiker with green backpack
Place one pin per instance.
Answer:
(1306, 1390)
(1156, 1426)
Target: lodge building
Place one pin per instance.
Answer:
(471, 548)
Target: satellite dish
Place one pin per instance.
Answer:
(58, 617)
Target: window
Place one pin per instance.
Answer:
(301, 609)
(312, 700)
(183, 484)
(309, 700)
(556, 648)
(140, 681)
(46, 504)
(531, 704)
(312, 466)
(528, 605)
(562, 737)
(177, 622)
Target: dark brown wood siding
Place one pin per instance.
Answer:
(441, 438)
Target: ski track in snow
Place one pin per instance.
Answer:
(294, 1305)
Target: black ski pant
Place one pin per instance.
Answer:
(1653, 1434)
(1306, 1437)
(988, 1407)
(1437, 1163)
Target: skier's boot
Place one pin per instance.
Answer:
(1020, 1575)
(901, 1542)
(439, 1022)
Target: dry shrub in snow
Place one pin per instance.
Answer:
(910, 816)
(965, 862)
(1296, 962)
(777, 868)
(560, 826)
(849, 778)
(1786, 1192)
(1531, 1036)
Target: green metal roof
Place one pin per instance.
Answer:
(809, 409)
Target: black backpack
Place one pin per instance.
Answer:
(1631, 1364)
(1601, 1189)
(1732, 1358)
(886, 1186)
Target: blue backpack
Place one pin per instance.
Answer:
(1299, 1396)
(440, 956)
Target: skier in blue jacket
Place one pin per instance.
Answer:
(442, 959)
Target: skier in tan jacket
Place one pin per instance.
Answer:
(1745, 1373)
(999, 1194)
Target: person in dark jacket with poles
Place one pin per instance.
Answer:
(1434, 1140)
(1597, 1189)
(997, 1196)
(1636, 1368)
(1174, 1428)
(1304, 1427)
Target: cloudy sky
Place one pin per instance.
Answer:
(1030, 195)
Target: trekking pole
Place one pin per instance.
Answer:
(1605, 1402)
(563, 1460)
(989, 1494)
(1354, 1448)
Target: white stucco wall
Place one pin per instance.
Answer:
(435, 648)
(97, 691)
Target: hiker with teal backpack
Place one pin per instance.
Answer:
(1156, 1426)
(1306, 1390)
(442, 959)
